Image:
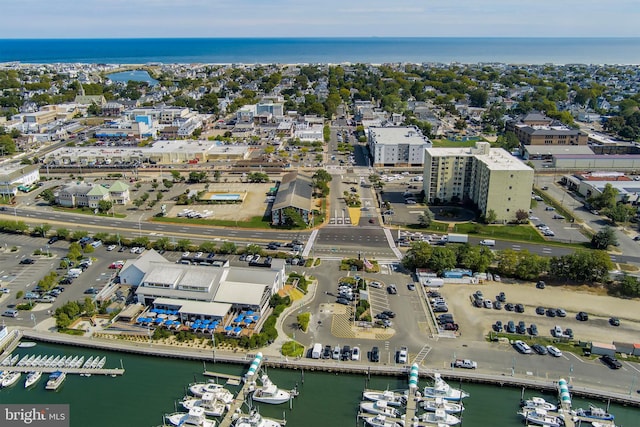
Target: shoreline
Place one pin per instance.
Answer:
(280, 362)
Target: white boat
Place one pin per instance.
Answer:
(392, 398)
(37, 361)
(254, 419)
(26, 344)
(14, 360)
(379, 407)
(6, 361)
(55, 380)
(195, 417)
(218, 391)
(540, 417)
(595, 413)
(23, 361)
(32, 378)
(538, 403)
(44, 361)
(31, 360)
(88, 363)
(101, 362)
(450, 407)
(268, 392)
(61, 362)
(79, 362)
(212, 406)
(71, 361)
(10, 379)
(94, 365)
(379, 421)
(439, 417)
(441, 389)
(54, 362)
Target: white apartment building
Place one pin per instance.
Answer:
(489, 177)
(397, 146)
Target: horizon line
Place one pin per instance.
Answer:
(313, 37)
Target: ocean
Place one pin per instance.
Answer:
(153, 386)
(324, 50)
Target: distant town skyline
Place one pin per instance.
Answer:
(330, 18)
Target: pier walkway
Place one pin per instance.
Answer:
(80, 371)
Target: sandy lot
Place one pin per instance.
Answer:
(254, 204)
(476, 322)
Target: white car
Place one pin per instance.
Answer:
(522, 347)
(199, 254)
(554, 351)
(403, 355)
(249, 258)
(133, 250)
(111, 247)
(185, 254)
(355, 353)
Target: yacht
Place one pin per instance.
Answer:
(79, 362)
(30, 360)
(26, 344)
(268, 392)
(61, 362)
(212, 406)
(198, 389)
(254, 419)
(595, 413)
(95, 362)
(54, 362)
(38, 361)
(14, 360)
(195, 417)
(23, 361)
(439, 417)
(441, 389)
(10, 379)
(380, 421)
(55, 380)
(32, 378)
(538, 403)
(540, 417)
(6, 361)
(392, 398)
(432, 405)
(378, 407)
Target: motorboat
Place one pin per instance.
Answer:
(6, 361)
(71, 361)
(379, 421)
(61, 362)
(432, 405)
(198, 389)
(32, 378)
(26, 344)
(195, 417)
(54, 362)
(379, 407)
(539, 403)
(392, 398)
(212, 406)
(14, 360)
(79, 363)
(95, 362)
(101, 362)
(540, 417)
(268, 392)
(10, 379)
(55, 380)
(595, 413)
(441, 389)
(439, 417)
(23, 361)
(88, 363)
(254, 419)
(30, 360)
(37, 361)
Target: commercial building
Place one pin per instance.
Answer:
(295, 191)
(537, 129)
(593, 184)
(90, 195)
(397, 146)
(203, 292)
(13, 176)
(491, 178)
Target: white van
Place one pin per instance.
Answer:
(487, 242)
(10, 313)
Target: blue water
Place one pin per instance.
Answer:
(325, 50)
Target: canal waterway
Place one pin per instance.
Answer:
(134, 75)
(152, 386)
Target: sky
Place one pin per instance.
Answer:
(326, 18)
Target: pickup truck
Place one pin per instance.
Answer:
(464, 363)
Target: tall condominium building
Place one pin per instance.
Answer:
(397, 146)
(489, 177)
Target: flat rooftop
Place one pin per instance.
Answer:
(398, 135)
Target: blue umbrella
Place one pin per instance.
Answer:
(237, 330)
(248, 320)
(249, 313)
(206, 321)
(228, 328)
(158, 321)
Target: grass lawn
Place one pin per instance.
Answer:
(87, 211)
(255, 222)
(453, 144)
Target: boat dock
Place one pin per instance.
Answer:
(231, 379)
(81, 371)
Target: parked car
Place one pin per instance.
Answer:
(27, 261)
(519, 308)
(540, 284)
(611, 362)
(540, 349)
(374, 355)
(403, 355)
(551, 312)
(540, 311)
(554, 351)
(497, 326)
(511, 327)
(336, 353)
(488, 304)
(521, 328)
(501, 296)
(522, 347)
(614, 321)
(582, 316)
(111, 247)
(561, 312)
(53, 240)
(392, 290)
(326, 354)
(533, 329)
(509, 306)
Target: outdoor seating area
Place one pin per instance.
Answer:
(160, 317)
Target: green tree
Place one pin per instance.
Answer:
(442, 258)
(42, 229)
(48, 196)
(509, 141)
(604, 238)
(105, 206)
(197, 176)
(303, 320)
(228, 248)
(167, 184)
(606, 199)
(507, 260)
(478, 98)
(491, 217)
(619, 213)
(183, 245)
(426, 218)
(292, 218)
(7, 145)
(62, 233)
(175, 175)
(253, 249)
(417, 256)
(162, 244)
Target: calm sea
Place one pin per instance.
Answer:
(325, 50)
(151, 387)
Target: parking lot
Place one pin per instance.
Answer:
(476, 322)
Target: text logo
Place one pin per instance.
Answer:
(34, 415)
